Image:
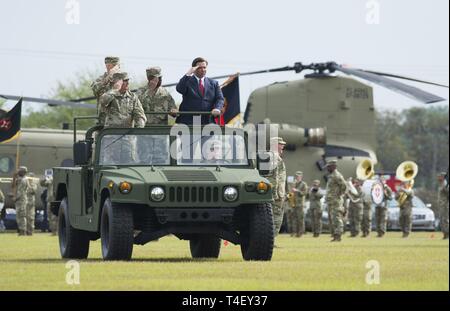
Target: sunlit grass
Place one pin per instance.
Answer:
(418, 263)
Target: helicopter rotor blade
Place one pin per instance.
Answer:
(404, 78)
(396, 86)
(51, 102)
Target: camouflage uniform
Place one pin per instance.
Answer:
(443, 209)
(52, 219)
(381, 211)
(355, 211)
(336, 188)
(315, 207)
(2, 200)
(278, 181)
(21, 188)
(298, 213)
(366, 225)
(31, 204)
(104, 83)
(161, 101)
(406, 211)
(120, 110)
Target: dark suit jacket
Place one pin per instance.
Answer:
(194, 101)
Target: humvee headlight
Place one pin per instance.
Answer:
(262, 187)
(157, 194)
(230, 194)
(125, 187)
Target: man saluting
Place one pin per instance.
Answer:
(199, 93)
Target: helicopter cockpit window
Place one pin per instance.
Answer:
(223, 150)
(134, 150)
(6, 165)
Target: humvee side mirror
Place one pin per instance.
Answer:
(264, 163)
(82, 152)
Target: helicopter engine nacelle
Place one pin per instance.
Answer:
(298, 136)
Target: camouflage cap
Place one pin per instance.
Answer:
(331, 162)
(112, 60)
(278, 140)
(299, 173)
(120, 76)
(153, 72)
(316, 182)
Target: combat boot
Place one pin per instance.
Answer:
(405, 235)
(445, 236)
(379, 235)
(29, 232)
(21, 232)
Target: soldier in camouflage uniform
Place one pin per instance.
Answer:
(300, 190)
(443, 203)
(382, 210)
(155, 98)
(289, 210)
(355, 209)
(315, 207)
(278, 182)
(20, 199)
(104, 83)
(366, 225)
(47, 182)
(405, 207)
(2, 200)
(31, 203)
(120, 108)
(336, 189)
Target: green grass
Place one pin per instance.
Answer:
(418, 263)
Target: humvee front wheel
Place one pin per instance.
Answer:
(258, 237)
(205, 246)
(73, 243)
(116, 231)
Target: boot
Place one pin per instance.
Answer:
(316, 235)
(29, 232)
(380, 235)
(445, 236)
(338, 238)
(405, 235)
(21, 232)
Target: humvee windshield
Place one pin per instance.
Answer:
(223, 150)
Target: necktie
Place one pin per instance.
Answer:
(202, 88)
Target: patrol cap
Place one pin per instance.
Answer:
(331, 162)
(112, 60)
(278, 140)
(442, 174)
(299, 173)
(153, 72)
(120, 76)
(316, 182)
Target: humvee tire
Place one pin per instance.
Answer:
(116, 231)
(205, 246)
(73, 243)
(259, 236)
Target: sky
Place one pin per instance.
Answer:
(46, 41)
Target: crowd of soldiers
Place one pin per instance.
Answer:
(341, 203)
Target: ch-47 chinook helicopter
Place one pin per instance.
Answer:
(321, 116)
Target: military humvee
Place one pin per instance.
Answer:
(136, 185)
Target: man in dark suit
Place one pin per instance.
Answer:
(199, 93)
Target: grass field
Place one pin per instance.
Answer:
(418, 263)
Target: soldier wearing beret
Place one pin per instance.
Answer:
(155, 98)
(336, 189)
(104, 83)
(443, 203)
(300, 191)
(278, 181)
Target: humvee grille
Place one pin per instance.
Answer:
(194, 194)
(189, 176)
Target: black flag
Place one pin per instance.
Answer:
(232, 107)
(10, 123)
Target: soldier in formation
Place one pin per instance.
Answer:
(381, 210)
(355, 208)
(336, 189)
(278, 181)
(47, 182)
(366, 224)
(315, 206)
(405, 195)
(20, 200)
(443, 203)
(300, 190)
(31, 202)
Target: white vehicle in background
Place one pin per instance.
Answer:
(423, 216)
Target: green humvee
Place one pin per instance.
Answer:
(136, 185)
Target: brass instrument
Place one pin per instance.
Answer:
(351, 191)
(406, 171)
(365, 169)
(292, 199)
